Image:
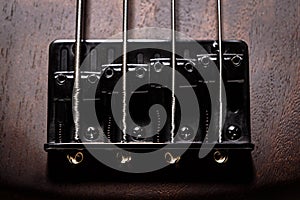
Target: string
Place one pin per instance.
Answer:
(220, 68)
(125, 38)
(76, 90)
(173, 39)
(78, 44)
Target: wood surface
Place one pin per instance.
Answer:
(270, 28)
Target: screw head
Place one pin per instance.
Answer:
(233, 132)
(75, 159)
(138, 133)
(158, 66)
(140, 72)
(220, 157)
(109, 72)
(93, 79)
(61, 79)
(189, 66)
(186, 133)
(91, 133)
(205, 60)
(236, 60)
(123, 158)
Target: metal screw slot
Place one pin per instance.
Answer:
(220, 157)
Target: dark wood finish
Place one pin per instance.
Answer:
(271, 29)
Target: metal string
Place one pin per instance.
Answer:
(125, 38)
(78, 45)
(220, 68)
(76, 91)
(173, 40)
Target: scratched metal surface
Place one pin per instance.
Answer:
(271, 29)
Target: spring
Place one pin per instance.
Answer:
(60, 130)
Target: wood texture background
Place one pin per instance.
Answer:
(271, 29)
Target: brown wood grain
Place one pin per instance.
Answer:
(271, 29)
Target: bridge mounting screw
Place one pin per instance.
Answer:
(75, 159)
(220, 157)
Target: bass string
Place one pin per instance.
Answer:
(125, 40)
(124, 92)
(78, 47)
(219, 9)
(173, 40)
